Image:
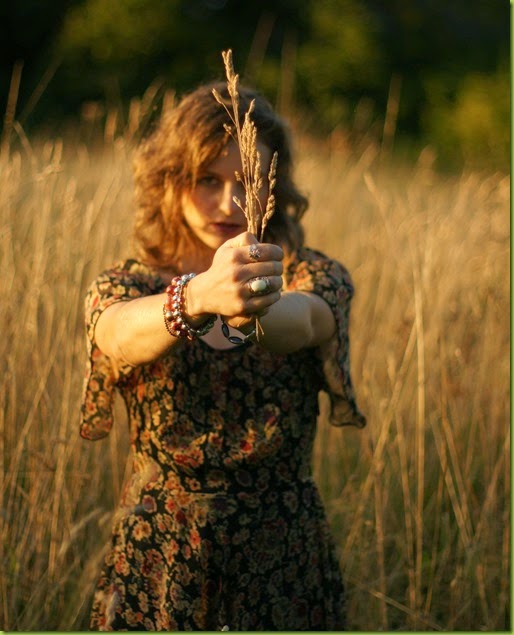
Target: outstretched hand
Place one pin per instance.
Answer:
(229, 287)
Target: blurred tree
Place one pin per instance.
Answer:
(414, 63)
(116, 50)
(27, 31)
(341, 60)
(427, 38)
(472, 124)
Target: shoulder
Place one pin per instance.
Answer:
(125, 280)
(310, 267)
(130, 268)
(126, 274)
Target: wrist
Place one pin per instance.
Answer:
(176, 319)
(193, 309)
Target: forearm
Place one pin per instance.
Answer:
(133, 332)
(298, 320)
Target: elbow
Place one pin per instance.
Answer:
(303, 337)
(108, 336)
(309, 335)
(299, 336)
(295, 325)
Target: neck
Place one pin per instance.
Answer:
(195, 262)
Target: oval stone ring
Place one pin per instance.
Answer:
(260, 285)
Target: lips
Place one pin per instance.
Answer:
(224, 229)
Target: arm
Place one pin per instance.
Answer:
(298, 320)
(133, 331)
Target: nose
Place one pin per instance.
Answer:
(227, 204)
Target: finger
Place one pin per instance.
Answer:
(265, 251)
(264, 285)
(260, 305)
(261, 312)
(241, 240)
(269, 268)
(237, 321)
(260, 252)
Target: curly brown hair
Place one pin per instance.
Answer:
(189, 136)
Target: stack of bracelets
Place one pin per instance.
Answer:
(177, 325)
(173, 311)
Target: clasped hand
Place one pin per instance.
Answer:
(226, 287)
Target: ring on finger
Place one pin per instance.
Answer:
(254, 252)
(260, 285)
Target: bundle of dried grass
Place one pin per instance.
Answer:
(246, 138)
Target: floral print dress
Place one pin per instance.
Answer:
(221, 525)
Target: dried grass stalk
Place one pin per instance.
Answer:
(246, 138)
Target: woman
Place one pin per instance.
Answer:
(221, 525)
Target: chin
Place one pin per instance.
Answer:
(210, 246)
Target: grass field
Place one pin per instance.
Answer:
(419, 500)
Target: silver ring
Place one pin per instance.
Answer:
(260, 285)
(255, 253)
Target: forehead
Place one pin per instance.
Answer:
(229, 159)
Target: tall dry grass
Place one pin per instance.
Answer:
(418, 501)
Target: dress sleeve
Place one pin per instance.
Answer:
(315, 273)
(122, 283)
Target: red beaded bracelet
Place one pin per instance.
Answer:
(173, 310)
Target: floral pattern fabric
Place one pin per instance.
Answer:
(221, 523)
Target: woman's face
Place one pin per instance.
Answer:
(209, 208)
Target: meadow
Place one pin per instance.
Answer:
(419, 500)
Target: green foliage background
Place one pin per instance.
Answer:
(444, 64)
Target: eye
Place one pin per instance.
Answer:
(208, 180)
